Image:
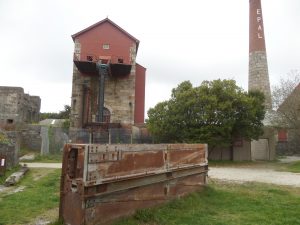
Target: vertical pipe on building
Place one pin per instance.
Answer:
(84, 104)
(101, 71)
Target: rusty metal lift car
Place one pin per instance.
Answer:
(100, 183)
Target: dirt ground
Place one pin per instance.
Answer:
(43, 165)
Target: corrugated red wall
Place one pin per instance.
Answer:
(93, 40)
(140, 80)
(282, 135)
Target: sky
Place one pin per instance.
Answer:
(192, 40)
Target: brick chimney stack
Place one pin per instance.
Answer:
(258, 64)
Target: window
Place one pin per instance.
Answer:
(105, 46)
(74, 103)
(106, 115)
(89, 58)
(9, 121)
(120, 60)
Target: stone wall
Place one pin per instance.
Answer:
(119, 99)
(17, 107)
(10, 148)
(58, 137)
(31, 137)
(259, 75)
(52, 138)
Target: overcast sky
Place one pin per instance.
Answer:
(192, 40)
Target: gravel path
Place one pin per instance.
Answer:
(255, 174)
(264, 175)
(43, 165)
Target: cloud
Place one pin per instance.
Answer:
(191, 40)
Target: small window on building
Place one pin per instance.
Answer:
(9, 121)
(120, 60)
(74, 103)
(104, 61)
(89, 58)
(105, 46)
(106, 115)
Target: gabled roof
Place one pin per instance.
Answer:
(294, 94)
(112, 23)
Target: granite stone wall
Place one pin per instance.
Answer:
(10, 147)
(39, 138)
(31, 137)
(119, 94)
(259, 75)
(17, 107)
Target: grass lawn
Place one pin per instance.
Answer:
(294, 167)
(226, 204)
(8, 173)
(41, 193)
(51, 158)
(219, 204)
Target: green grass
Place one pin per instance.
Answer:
(8, 173)
(219, 204)
(24, 151)
(294, 167)
(50, 158)
(226, 204)
(41, 194)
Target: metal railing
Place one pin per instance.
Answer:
(90, 57)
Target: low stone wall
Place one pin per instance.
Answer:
(31, 137)
(57, 137)
(9, 152)
(10, 148)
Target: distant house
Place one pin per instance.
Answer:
(289, 124)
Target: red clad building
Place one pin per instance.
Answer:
(108, 84)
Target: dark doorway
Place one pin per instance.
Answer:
(106, 115)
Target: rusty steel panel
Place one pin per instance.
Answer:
(102, 182)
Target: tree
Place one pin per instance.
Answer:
(285, 97)
(285, 87)
(216, 112)
(63, 114)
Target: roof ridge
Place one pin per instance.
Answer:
(103, 21)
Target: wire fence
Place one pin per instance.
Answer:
(111, 136)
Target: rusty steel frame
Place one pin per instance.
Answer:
(100, 183)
